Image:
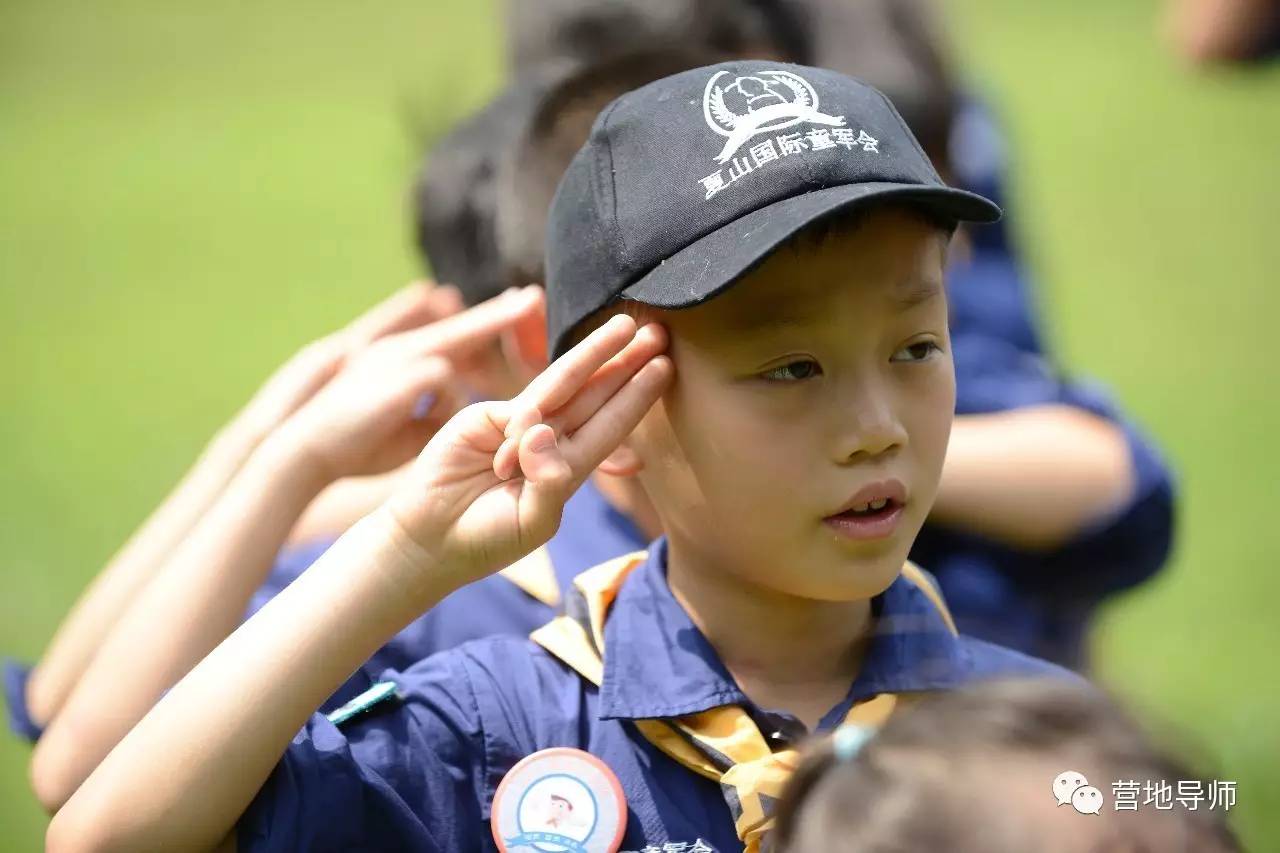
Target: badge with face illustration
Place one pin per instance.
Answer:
(559, 800)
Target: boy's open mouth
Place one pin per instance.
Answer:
(872, 513)
(870, 510)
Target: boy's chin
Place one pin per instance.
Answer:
(847, 578)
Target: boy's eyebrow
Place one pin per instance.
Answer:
(777, 313)
(774, 314)
(916, 291)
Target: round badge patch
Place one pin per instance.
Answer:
(559, 800)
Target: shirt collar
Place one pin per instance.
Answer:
(658, 664)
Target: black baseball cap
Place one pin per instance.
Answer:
(686, 184)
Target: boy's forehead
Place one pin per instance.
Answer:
(802, 284)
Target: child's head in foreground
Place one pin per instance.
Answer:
(977, 770)
(786, 228)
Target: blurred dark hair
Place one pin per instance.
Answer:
(557, 126)
(454, 198)
(587, 32)
(898, 46)
(971, 770)
(480, 201)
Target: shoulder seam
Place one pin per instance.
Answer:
(464, 664)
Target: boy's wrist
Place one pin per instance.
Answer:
(283, 457)
(416, 573)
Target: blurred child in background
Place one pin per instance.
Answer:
(992, 769)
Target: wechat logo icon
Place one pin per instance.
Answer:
(1071, 787)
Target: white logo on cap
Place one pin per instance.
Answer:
(762, 103)
(759, 103)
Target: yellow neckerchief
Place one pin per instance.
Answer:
(723, 744)
(535, 575)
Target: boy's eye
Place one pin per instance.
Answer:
(916, 352)
(794, 371)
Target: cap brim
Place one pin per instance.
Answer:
(707, 266)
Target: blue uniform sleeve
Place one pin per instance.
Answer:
(985, 661)
(1001, 364)
(1115, 553)
(15, 694)
(409, 775)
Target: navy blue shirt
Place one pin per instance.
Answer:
(420, 773)
(1040, 602)
(16, 676)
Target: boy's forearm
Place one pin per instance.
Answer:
(231, 718)
(192, 603)
(342, 504)
(1033, 478)
(81, 633)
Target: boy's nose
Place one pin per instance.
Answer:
(867, 426)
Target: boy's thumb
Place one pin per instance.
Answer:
(548, 479)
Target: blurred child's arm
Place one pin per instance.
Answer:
(1033, 477)
(364, 421)
(342, 505)
(91, 619)
(487, 489)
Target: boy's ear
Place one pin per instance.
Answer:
(622, 462)
(526, 344)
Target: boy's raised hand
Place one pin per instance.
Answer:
(490, 486)
(393, 391)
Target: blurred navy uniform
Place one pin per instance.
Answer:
(1038, 603)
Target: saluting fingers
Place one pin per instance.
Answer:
(506, 463)
(554, 468)
(615, 419)
(648, 342)
(566, 376)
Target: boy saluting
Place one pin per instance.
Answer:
(791, 439)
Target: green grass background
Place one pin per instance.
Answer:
(189, 192)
